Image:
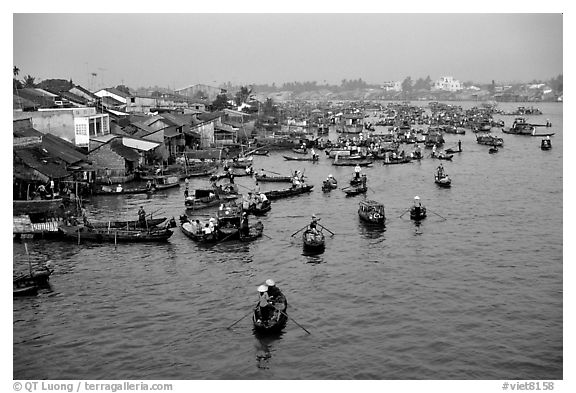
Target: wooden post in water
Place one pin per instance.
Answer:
(27, 254)
(115, 241)
(78, 235)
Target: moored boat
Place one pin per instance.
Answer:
(128, 224)
(266, 178)
(82, 233)
(290, 158)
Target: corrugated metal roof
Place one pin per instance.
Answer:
(62, 149)
(39, 159)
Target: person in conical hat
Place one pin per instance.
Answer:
(273, 290)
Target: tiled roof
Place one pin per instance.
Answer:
(39, 159)
(62, 149)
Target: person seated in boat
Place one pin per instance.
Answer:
(296, 182)
(207, 230)
(249, 169)
(263, 197)
(198, 227)
(212, 224)
(275, 294)
(251, 200)
(186, 192)
(264, 306)
(148, 185)
(312, 226)
(364, 178)
(262, 173)
(231, 177)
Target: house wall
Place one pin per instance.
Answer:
(104, 158)
(206, 131)
(58, 123)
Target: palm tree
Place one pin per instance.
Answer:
(29, 81)
(16, 71)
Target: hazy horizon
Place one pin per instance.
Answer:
(177, 50)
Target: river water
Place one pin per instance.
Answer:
(474, 292)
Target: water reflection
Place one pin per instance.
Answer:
(371, 231)
(264, 346)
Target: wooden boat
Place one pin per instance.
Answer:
(260, 152)
(352, 191)
(229, 225)
(73, 232)
(417, 212)
(442, 156)
(493, 150)
(34, 206)
(371, 212)
(290, 158)
(329, 184)
(276, 319)
(119, 190)
(344, 162)
(490, 140)
(266, 178)
(313, 242)
(300, 151)
(129, 224)
(254, 232)
(166, 182)
(30, 290)
(192, 231)
(546, 144)
(356, 181)
(242, 162)
(206, 198)
(260, 208)
(442, 179)
(28, 284)
(199, 173)
(288, 192)
(236, 173)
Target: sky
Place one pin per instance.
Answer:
(178, 50)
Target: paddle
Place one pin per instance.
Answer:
(221, 240)
(438, 215)
(266, 236)
(292, 319)
(239, 320)
(323, 227)
(400, 216)
(276, 173)
(306, 226)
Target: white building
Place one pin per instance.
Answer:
(75, 125)
(447, 83)
(392, 86)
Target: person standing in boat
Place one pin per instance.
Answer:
(274, 293)
(312, 226)
(357, 170)
(440, 171)
(244, 226)
(434, 150)
(142, 216)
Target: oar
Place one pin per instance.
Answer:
(221, 240)
(407, 210)
(29, 263)
(292, 319)
(299, 230)
(438, 215)
(323, 227)
(276, 173)
(266, 236)
(239, 319)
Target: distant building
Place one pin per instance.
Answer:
(447, 83)
(207, 92)
(392, 86)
